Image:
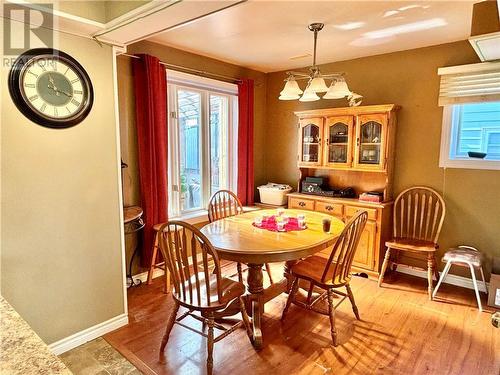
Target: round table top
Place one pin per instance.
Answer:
(236, 239)
(131, 213)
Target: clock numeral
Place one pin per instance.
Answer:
(66, 70)
(33, 98)
(42, 66)
(30, 72)
(42, 108)
(30, 85)
(75, 80)
(67, 109)
(55, 112)
(75, 102)
(78, 92)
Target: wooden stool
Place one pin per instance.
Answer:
(160, 265)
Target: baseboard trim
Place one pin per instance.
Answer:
(461, 281)
(143, 276)
(88, 334)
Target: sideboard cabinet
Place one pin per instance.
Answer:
(350, 147)
(370, 252)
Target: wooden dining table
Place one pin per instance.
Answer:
(237, 239)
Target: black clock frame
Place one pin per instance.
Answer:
(20, 101)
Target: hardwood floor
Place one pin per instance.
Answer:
(401, 332)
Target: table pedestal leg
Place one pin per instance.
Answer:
(255, 288)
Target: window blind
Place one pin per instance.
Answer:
(472, 83)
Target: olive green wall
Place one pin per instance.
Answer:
(61, 230)
(408, 78)
(127, 114)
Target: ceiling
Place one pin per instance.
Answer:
(273, 35)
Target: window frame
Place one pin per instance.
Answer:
(449, 140)
(205, 87)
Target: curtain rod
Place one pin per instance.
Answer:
(186, 69)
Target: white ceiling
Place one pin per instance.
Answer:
(273, 35)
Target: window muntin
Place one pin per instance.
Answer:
(189, 127)
(202, 141)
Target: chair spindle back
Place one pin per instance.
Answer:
(418, 214)
(344, 249)
(178, 242)
(222, 204)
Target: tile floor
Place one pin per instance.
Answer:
(97, 357)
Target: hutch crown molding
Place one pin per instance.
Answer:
(350, 147)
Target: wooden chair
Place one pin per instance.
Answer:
(329, 274)
(197, 288)
(222, 204)
(154, 260)
(418, 217)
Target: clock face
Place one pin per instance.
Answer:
(51, 88)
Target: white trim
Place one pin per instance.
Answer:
(196, 217)
(476, 40)
(88, 334)
(198, 82)
(143, 276)
(448, 143)
(204, 87)
(461, 281)
(470, 68)
(119, 178)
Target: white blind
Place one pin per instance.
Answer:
(473, 83)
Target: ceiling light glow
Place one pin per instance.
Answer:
(349, 26)
(405, 29)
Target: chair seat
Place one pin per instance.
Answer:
(312, 268)
(230, 290)
(463, 256)
(411, 244)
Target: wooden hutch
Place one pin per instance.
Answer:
(350, 147)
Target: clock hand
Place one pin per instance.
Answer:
(55, 89)
(66, 93)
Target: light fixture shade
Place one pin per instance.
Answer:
(285, 96)
(291, 86)
(337, 90)
(318, 85)
(309, 95)
(354, 99)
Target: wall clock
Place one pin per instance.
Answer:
(51, 88)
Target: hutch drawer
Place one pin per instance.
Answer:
(302, 204)
(351, 210)
(330, 208)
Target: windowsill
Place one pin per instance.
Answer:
(470, 164)
(195, 217)
(201, 216)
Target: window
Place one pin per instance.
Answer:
(471, 127)
(202, 141)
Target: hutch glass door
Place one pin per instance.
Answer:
(310, 141)
(338, 140)
(370, 141)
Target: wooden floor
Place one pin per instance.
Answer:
(401, 332)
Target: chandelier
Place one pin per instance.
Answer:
(316, 84)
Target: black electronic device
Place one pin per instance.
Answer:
(317, 186)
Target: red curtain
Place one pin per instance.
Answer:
(151, 120)
(245, 142)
